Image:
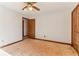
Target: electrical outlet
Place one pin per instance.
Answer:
(2, 40)
(44, 36)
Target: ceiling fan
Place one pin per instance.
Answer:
(30, 6)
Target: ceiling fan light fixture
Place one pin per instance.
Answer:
(30, 8)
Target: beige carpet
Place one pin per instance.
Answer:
(33, 47)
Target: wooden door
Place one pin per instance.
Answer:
(75, 28)
(74, 15)
(74, 25)
(77, 19)
(31, 28)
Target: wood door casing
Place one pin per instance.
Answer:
(22, 28)
(31, 28)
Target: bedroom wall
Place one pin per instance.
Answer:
(10, 26)
(51, 25)
(54, 26)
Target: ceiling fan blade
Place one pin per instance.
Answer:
(24, 7)
(36, 8)
(31, 2)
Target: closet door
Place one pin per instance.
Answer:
(74, 15)
(31, 28)
(77, 32)
(77, 20)
(75, 28)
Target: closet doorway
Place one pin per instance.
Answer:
(28, 27)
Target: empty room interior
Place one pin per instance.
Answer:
(39, 29)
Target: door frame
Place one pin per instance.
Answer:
(23, 27)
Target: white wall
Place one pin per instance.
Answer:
(10, 26)
(25, 27)
(56, 26)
